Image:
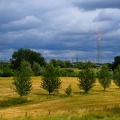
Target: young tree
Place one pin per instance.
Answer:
(116, 76)
(22, 81)
(104, 76)
(68, 90)
(50, 80)
(86, 79)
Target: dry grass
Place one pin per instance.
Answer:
(40, 103)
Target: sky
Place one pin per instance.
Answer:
(61, 29)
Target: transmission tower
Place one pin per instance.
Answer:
(99, 46)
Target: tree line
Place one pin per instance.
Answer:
(38, 62)
(51, 81)
(26, 63)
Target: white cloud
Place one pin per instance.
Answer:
(28, 21)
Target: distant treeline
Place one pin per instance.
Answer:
(37, 62)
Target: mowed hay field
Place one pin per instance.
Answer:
(40, 104)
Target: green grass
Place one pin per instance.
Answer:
(97, 104)
(12, 102)
(90, 116)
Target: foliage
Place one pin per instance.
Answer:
(61, 63)
(5, 69)
(1, 73)
(37, 69)
(83, 65)
(22, 80)
(79, 65)
(4, 64)
(67, 72)
(27, 55)
(58, 63)
(68, 64)
(63, 73)
(116, 76)
(7, 72)
(68, 90)
(50, 79)
(104, 76)
(86, 79)
(116, 62)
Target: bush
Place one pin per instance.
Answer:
(67, 72)
(7, 72)
(63, 73)
(68, 90)
(37, 69)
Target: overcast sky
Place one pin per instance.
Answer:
(60, 28)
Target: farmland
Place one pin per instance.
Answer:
(39, 105)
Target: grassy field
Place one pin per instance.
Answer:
(98, 104)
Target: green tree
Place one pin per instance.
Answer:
(37, 69)
(116, 62)
(68, 64)
(22, 79)
(27, 55)
(116, 76)
(86, 79)
(104, 76)
(54, 62)
(50, 79)
(7, 72)
(79, 65)
(58, 63)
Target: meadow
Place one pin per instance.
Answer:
(38, 105)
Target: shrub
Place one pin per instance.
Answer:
(68, 90)
(67, 72)
(7, 72)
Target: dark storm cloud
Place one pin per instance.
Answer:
(96, 4)
(58, 28)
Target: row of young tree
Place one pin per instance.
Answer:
(51, 82)
(87, 78)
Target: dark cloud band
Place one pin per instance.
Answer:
(97, 4)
